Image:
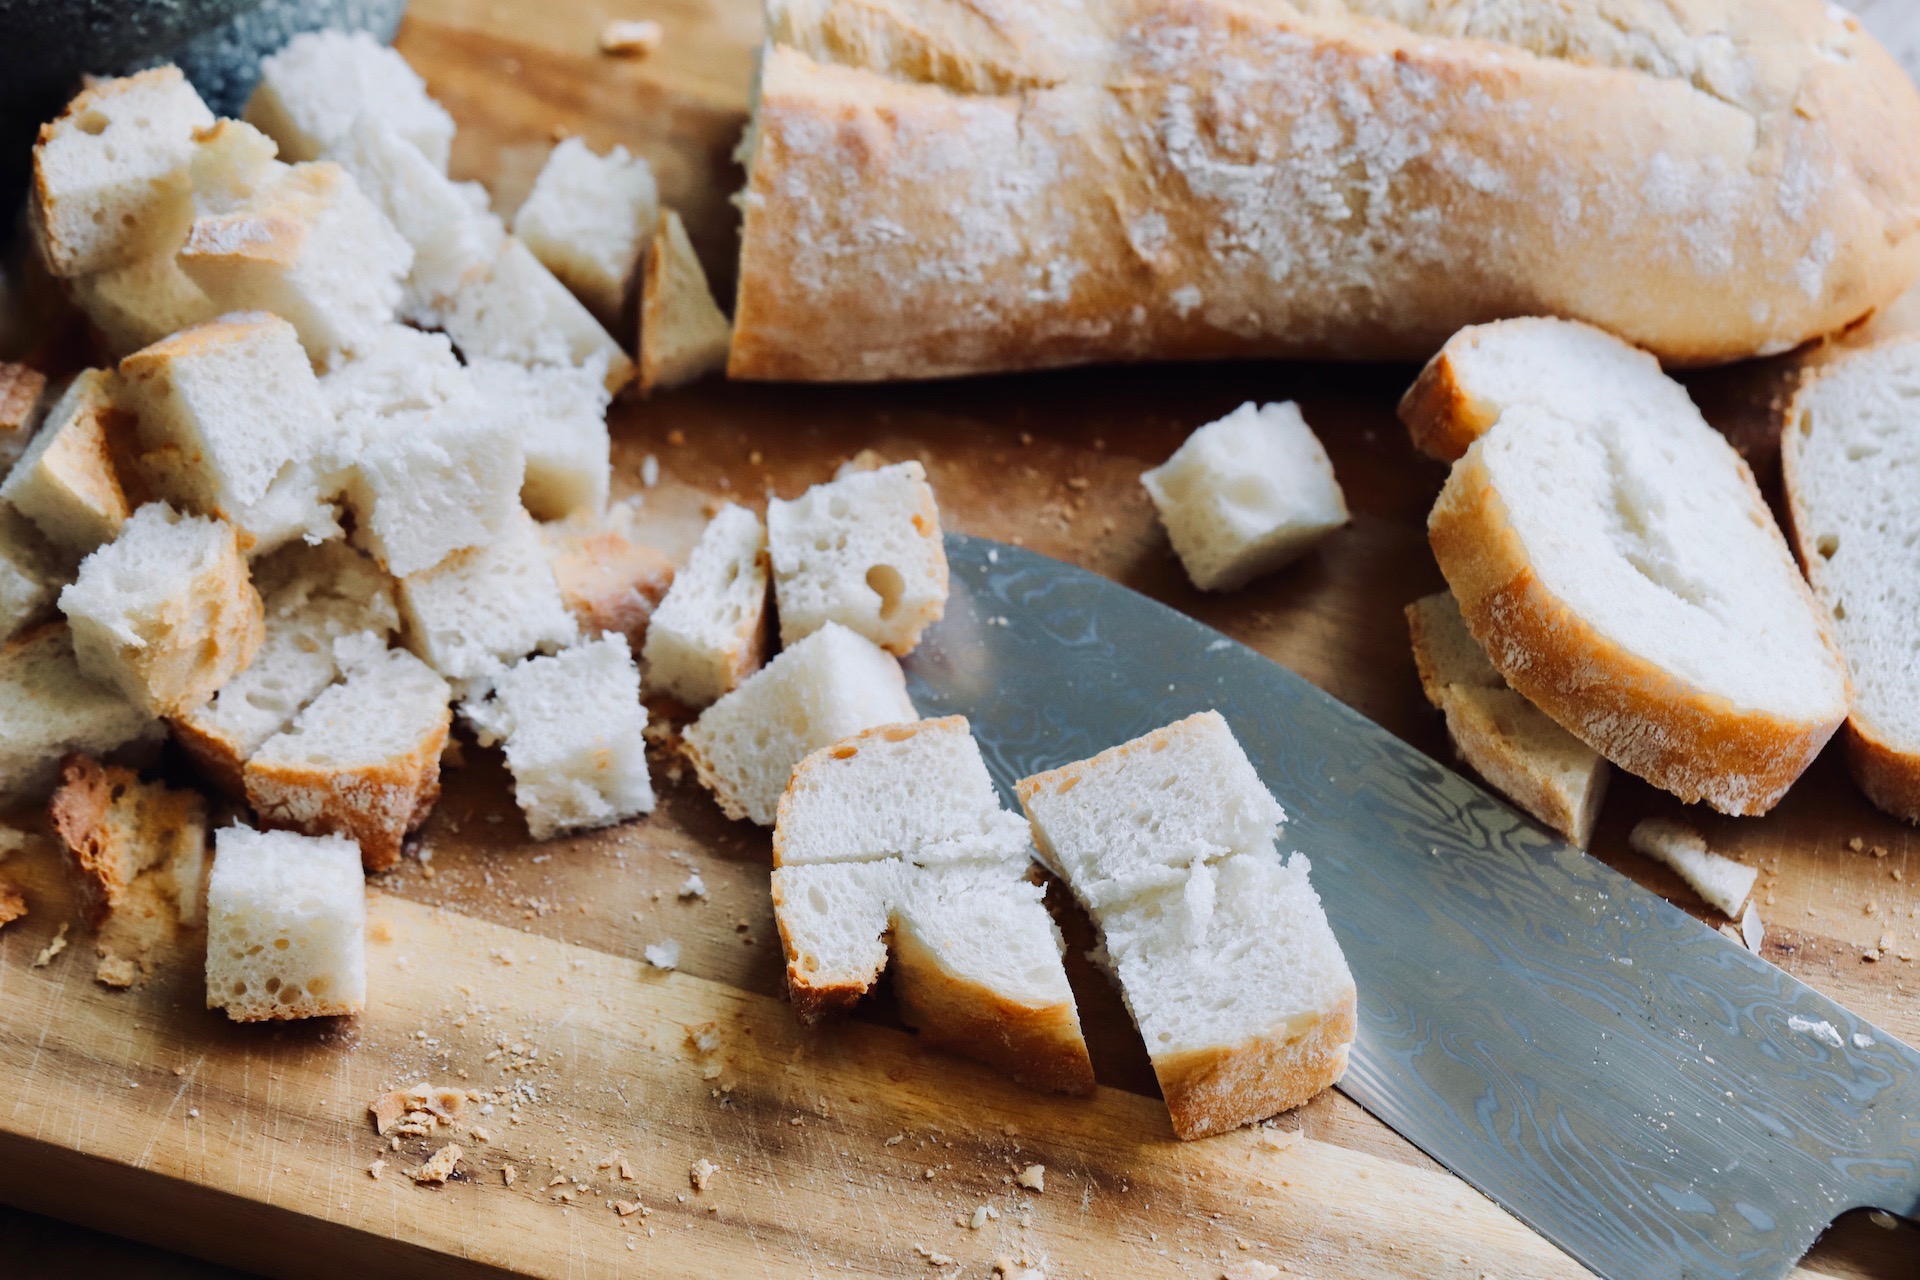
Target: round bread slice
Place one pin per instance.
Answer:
(1623, 573)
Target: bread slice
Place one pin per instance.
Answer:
(611, 584)
(313, 90)
(48, 710)
(286, 926)
(480, 609)
(22, 405)
(30, 574)
(117, 827)
(1512, 744)
(863, 551)
(512, 308)
(833, 921)
(1222, 950)
(1246, 495)
(1722, 883)
(1847, 454)
(166, 612)
(828, 687)
(363, 759)
(1539, 361)
(710, 632)
(590, 218)
(110, 173)
(572, 727)
(313, 596)
(683, 333)
(67, 482)
(559, 418)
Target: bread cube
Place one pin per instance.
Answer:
(311, 92)
(165, 612)
(310, 247)
(863, 551)
(313, 596)
(589, 219)
(611, 584)
(67, 482)
(29, 577)
(480, 609)
(1722, 883)
(684, 336)
(49, 709)
(559, 415)
(363, 759)
(1246, 495)
(141, 302)
(828, 687)
(512, 308)
(22, 405)
(405, 369)
(710, 631)
(286, 926)
(426, 483)
(117, 828)
(110, 173)
(571, 725)
(833, 926)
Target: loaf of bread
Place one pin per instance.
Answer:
(938, 189)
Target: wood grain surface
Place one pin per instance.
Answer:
(515, 970)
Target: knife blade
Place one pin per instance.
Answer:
(1654, 1099)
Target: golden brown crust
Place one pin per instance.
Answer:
(226, 620)
(216, 755)
(115, 826)
(611, 584)
(1215, 1090)
(1442, 418)
(1887, 775)
(683, 333)
(814, 999)
(20, 390)
(12, 905)
(824, 758)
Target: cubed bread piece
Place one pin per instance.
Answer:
(311, 248)
(166, 612)
(286, 926)
(30, 573)
(313, 596)
(571, 726)
(426, 483)
(559, 415)
(512, 308)
(117, 827)
(710, 632)
(1509, 742)
(48, 709)
(611, 584)
(22, 405)
(863, 551)
(1246, 495)
(67, 481)
(1722, 883)
(311, 92)
(362, 760)
(1135, 817)
(833, 927)
(405, 369)
(684, 335)
(140, 302)
(480, 609)
(233, 165)
(830, 686)
(917, 790)
(589, 218)
(977, 970)
(110, 173)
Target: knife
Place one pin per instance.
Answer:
(1654, 1099)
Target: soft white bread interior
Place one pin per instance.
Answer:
(166, 613)
(611, 584)
(313, 90)
(863, 551)
(406, 369)
(710, 631)
(572, 727)
(141, 302)
(66, 481)
(558, 414)
(1509, 742)
(286, 926)
(480, 609)
(1849, 454)
(1246, 495)
(49, 709)
(589, 218)
(511, 308)
(1625, 576)
(833, 926)
(31, 574)
(1722, 883)
(828, 687)
(683, 332)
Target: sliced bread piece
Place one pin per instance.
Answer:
(363, 759)
(140, 302)
(512, 308)
(166, 612)
(480, 609)
(23, 402)
(611, 584)
(67, 482)
(1850, 455)
(684, 335)
(710, 632)
(30, 574)
(572, 727)
(828, 687)
(863, 551)
(425, 483)
(313, 90)
(558, 415)
(48, 709)
(589, 218)
(1722, 883)
(1512, 744)
(1246, 495)
(286, 926)
(117, 827)
(1625, 576)
(833, 928)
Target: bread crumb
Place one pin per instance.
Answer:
(933, 1258)
(895, 1140)
(1033, 1177)
(694, 887)
(52, 949)
(623, 38)
(1251, 1269)
(663, 955)
(1007, 1269)
(702, 1173)
(12, 904)
(1856, 844)
(676, 437)
(116, 971)
(982, 1215)
(626, 1208)
(508, 1173)
(626, 1170)
(439, 1166)
(1279, 1139)
(416, 1110)
(649, 471)
(379, 931)
(375, 1169)
(705, 1037)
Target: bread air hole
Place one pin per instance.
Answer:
(92, 123)
(889, 585)
(1827, 545)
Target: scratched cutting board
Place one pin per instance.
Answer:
(514, 969)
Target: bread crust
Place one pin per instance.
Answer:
(215, 754)
(21, 387)
(815, 999)
(90, 813)
(1439, 415)
(1695, 744)
(1213, 1090)
(824, 758)
(932, 192)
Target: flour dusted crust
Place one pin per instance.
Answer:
(937, 188)
(1211, 1091)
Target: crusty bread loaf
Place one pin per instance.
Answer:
(48, 709)
(933, 192)
(1624, 575)
(1848, 454)
(312, 92)
(711, 629)
(1512, 744)
(286, 926)
(67, 481)
(683, 332)
(590, 218)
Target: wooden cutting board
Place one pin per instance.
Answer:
(514, 970)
